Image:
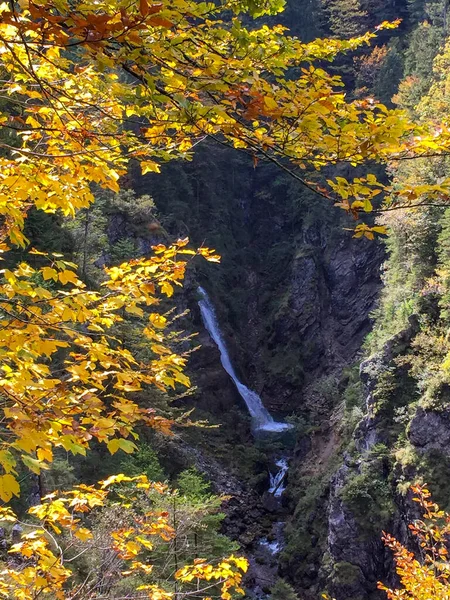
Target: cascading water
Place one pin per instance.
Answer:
(275, 544)
(277, 484)
(261, 418)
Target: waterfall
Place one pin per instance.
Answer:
(260, 416)
(277, 485)
(275, 542)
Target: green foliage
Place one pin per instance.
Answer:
(389, 75)
(109, 231)
(45, 232)
(412, 259)
(89, 239)
(434, 468)
(345, 573)
(416, 9)
(326, 393)
(306, 534)
(282, 591)
(123, 249)
(144, 461)
(444, 265)
(60, 476)
(353, 392)
(193, 485)
(306, 531)
(369, 497)
(196, 519)
(418, 63)
(346, 18)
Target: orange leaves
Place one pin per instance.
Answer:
(427, 577)
(205, 78)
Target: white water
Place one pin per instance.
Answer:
(273, 547)
(276, 543)
(261, 417)
(277, 481)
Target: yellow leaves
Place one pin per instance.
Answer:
(428, 577)
(49, 273)
(132, 309)
(144, 542)
(67, 276)
(83, 534)
(131, 549)
(9, 487)
(155, 593)
(45, 454)
(63, 514)
(34, 464)
(381, 229)
(148, 166)
(120, 444)
(68, 443)
(115, 479)
(157, 320)
(389, 24)
(209, 255)
(363, 230)
(49, 347)
(182, 378)
(240, 77)
(228, 572)
(6, 514)
(240, 562)
(270, 103)
(43, 574)
(7, 461)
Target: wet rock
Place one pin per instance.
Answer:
(270, 502)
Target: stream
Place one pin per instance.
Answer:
(264, 561)
(277, 481)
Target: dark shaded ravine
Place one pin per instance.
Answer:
(293, 295)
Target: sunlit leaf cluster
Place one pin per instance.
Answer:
(45, 553)
(425, 574)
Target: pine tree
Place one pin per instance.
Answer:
(346, 18)
(283, 591)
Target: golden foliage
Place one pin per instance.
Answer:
(88, 397)
(86, 87)
(427, 575)
(44, 554)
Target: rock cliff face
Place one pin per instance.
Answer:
(319, 325)
(356, 562)
(364, 493)
(430, 430)
(293, 295)
(294, 289)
